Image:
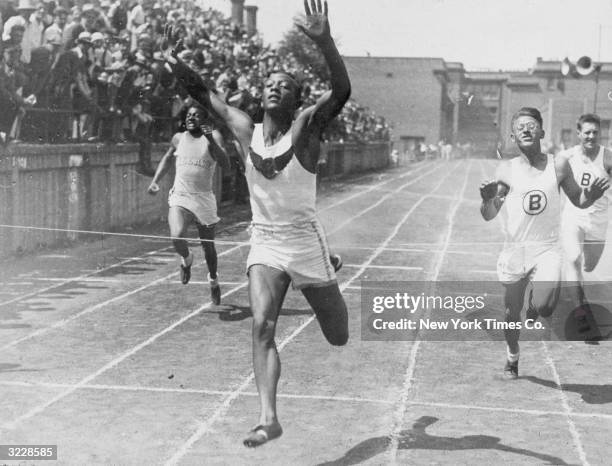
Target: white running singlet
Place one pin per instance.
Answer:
(193, 181)
(195, 168)
(585, 171)
(285, 233)
(531, 211)
(531, 220)
(290, 196)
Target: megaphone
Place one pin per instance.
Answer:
(585, 66)
(566, 67)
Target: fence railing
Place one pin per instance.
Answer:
(46, 125)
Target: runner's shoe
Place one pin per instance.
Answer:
(186, 270)
(215, 290)
(531, 314)
(511, 370)
(185, 274)
(582, 321)
(336, 261)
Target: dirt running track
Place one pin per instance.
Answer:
(104, 353)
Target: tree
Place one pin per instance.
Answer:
(304, 50)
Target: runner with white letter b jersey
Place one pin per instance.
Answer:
(526, 191)
(594, 219)
(532, 205)
(530, 219)
(584, 230)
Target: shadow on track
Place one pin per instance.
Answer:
(592, 394)
(417, 438)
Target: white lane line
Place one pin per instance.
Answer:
(472, 253)
(86, 275)
(72, 279)
(40, 408)
(409, 376)
(388, 267)
(566, 408)
(375, 187)
(95, 307)
(533, 412)
(387, 196)
(205, 426)
(350, 399)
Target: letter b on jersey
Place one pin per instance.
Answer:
(586, 179)
(534, 202)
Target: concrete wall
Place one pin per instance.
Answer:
(96, 188)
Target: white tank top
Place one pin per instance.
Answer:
(585, 171)
(531, 211)
(195, 168)
(287, 198)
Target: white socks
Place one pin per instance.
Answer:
(214, 282)
(512, 357)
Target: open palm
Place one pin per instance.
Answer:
(315, 25)
(171, 45)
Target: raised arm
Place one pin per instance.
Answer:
(217, 147)
(329, 105)
(580, 198)
(237, 121)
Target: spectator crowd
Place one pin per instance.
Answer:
(94, 71)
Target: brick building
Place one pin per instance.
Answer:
(429, 99)
(415, 94)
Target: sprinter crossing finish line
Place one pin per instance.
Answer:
(288, 243)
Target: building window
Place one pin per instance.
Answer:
(551, 84)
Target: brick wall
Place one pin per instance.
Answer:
(403, 90)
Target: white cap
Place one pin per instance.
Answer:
(84, 37)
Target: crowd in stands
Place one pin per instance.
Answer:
(95, 72)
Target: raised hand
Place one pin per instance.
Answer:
(207, 129)
(488, 190)
(171, 45)
(597, 189)
(316, 24)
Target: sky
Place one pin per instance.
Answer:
(482, 34)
